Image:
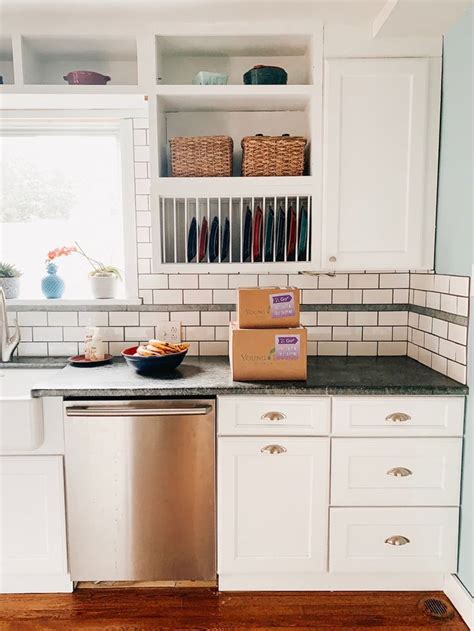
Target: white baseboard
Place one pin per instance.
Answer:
(460, 597)
(331, 582)
(35, 584)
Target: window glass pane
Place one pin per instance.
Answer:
(58, 188)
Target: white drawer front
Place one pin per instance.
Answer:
(363, 539)
(396, 471)
(267, 415)
(398, 416)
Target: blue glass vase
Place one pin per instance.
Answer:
(52, 285)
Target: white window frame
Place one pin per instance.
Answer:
(15, 122)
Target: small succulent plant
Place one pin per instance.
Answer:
(7, 270)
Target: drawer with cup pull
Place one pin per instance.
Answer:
(398, 416)
(396, 472)
(269, 415)
(393, 539)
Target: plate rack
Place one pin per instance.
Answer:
(226, 230)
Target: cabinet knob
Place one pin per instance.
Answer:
(398, 417)
(399, 472)
(332, 259)
(397, 540)
(273, 416)
(273, 449)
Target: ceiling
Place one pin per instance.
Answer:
(387, 18)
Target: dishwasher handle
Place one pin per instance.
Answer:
(130, 411)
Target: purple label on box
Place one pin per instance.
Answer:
(287, 346)
(282, 305)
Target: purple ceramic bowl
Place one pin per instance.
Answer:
(85, 77)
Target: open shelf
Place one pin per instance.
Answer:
(228, 114)
(46, 59)
(181, 57)
(6, 60)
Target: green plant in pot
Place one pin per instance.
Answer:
(104, 278)
(10, 280)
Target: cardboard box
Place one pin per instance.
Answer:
(268, 307)
(268, 354)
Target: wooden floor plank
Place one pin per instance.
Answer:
(152, 609)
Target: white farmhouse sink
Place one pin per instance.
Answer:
(21, 417)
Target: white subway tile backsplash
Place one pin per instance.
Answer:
(413, 351)
(213, 281)
(168, 297)
(222, 333)
(365, 318)
(153, 318)
(143, 235)
(213, 348)
(400, 296)
(462, 306)
(32, 318)
(242, 280)
(335, 318)
(93, 318)
(363, 281)
(394, 281)
(154, 281)
(272, 280)
(417, 337)
(183, 281)
(146, 296)
(431, 342)
(393, 318)
(376, 333)
(144, 250)
(141, 333)
(142, 203)
(457, 371)
(449, 303)
(197, 333)
(316, 333)
(223, 296)
(142, 187)
(433, 300)
(219, 318)
(362, 348)
(377, 296)
(440, 364)
(339, 281)
(440, 328)
(332, 348)
(191, 318)
(400, 333)
(308, 318)
(139, 137)
(419, 298)
(123, 318)
(144, 218)
(425, 357)
(112, 333)
(392, 348)
(457, 333)
(347, 333)
(144, 266)
(459, 285)
(142, 154)
(316, 296)
(141, 170)
(47, 334)
(425, 323)
(347, 296)
(63, 349)
(440, 283)
(32, 349)
(62, 318)
(303, 281)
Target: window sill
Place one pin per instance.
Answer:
(86, 302)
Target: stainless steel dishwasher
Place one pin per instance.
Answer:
(140, 490)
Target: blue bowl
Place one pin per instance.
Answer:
(156, 364)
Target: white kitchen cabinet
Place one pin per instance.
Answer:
(32, 525)
(272, 505)
(381, 120)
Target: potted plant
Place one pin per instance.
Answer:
(103, 277)
(9, 280)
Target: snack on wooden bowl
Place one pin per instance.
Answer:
(155, 357)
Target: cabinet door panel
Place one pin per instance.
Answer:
(32, 522)
(272, 507)
(377, 137)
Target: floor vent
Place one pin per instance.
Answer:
(437, 608)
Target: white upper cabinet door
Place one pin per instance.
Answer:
(273, 498)
(381, 120)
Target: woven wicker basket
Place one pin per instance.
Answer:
(201, 156)
(272, 155)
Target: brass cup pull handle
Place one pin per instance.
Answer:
(397, 540)
(398, 417)
(399, 472)
(273, 416)
(273, 449)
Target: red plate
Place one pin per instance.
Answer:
(82, 362)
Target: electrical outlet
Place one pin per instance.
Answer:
(169, 332)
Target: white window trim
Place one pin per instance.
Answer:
(15, 121)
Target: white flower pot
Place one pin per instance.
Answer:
(104, 286)
(11, 286)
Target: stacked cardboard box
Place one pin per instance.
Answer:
(268, 343)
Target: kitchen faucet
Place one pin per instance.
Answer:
(7, 343)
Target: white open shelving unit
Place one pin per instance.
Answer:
(179, 108)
